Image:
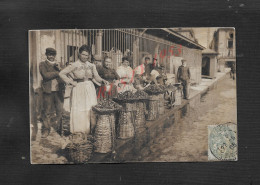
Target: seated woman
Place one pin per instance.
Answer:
(126, 75)
(106, 72)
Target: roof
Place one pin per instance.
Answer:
(181, 30)
(209, 52)
(227, 28)
(175, 37)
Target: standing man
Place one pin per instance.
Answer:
(52, 88)
(183, 76)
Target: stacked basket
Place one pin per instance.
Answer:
(105, 127)
(141, 98)
(80, 148)
(153, 109)
(126, 115)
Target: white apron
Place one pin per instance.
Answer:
(83, 98)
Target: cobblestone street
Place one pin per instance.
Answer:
(187, 139)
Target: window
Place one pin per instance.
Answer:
(230, 40)
(230, 43)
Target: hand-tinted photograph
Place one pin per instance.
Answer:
(133, 95)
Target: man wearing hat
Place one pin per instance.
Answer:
(183, 76)
(52, 88)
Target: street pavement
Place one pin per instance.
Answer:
(187, 140)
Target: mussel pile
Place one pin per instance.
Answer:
(140, 95)
(129, 96)
(153, 90)
(125, 95)
(107, 106)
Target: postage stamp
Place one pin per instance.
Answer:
(222, 142)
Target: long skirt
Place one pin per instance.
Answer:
(83, 98)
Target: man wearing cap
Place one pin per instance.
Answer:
(52, 87)
(183, 76)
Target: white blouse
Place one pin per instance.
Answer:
(126, 73)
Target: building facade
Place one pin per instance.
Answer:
(161, 45)
(224, 43)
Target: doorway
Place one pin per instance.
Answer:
(205, 66)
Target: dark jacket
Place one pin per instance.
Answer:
(183, 73)
(108, 74)
(49, 72)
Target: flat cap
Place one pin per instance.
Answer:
(50, 51)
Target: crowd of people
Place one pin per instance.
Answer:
(91, 83)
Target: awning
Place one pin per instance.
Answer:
(174, 37)
(209, 52)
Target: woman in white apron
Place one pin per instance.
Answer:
(83, 93)
(126, 75)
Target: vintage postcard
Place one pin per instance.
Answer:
(133, 95)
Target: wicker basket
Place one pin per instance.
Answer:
(104, 133)
(140, 115)
(161, 103)
(126, 125)
(153, 109)
(128, 106)
(80, 149)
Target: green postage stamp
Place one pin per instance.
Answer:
(222, 142)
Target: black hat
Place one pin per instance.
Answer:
(183, 60)
(147, 58)
(50, 51)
